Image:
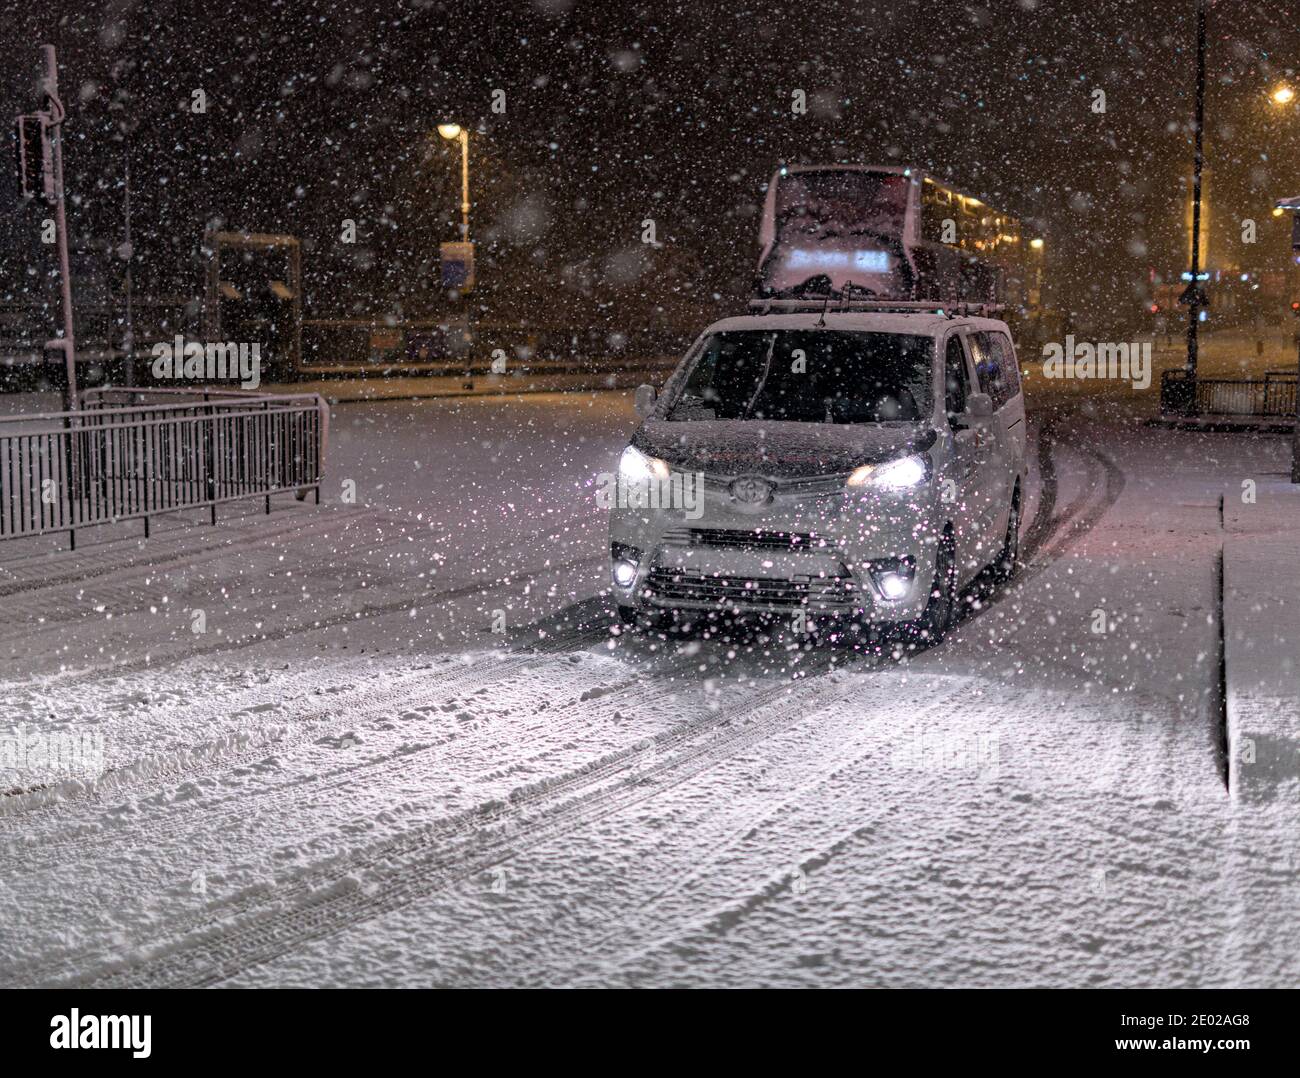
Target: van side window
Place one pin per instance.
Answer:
(1010, 368)
(956, 381)
(988, 367)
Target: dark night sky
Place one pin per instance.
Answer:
(319, 112)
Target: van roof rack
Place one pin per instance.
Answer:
(834, 304)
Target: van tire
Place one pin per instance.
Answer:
(932, 626)
(1008, 559)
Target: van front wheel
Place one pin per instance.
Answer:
(932, 625)
(1004, 567)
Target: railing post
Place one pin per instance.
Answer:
(210, 452)
(266, 407)
(1295, 412)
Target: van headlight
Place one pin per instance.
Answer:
(900, 474)
(635, 467)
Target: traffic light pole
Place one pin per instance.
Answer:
(51, 124)
(52, 119)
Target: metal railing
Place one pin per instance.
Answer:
(124, 456)
(1272, 395)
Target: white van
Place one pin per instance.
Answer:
(858, 463)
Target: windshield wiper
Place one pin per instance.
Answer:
(762, 378)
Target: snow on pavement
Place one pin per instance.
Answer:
(349, 779)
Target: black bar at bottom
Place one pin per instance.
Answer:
(370, 1028)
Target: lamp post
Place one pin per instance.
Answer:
(457, 259)
(1036, 289)
(1194, 295)
(1293, 206)
(1282, 96)
(456, 133)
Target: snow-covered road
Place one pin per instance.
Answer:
(347, 778)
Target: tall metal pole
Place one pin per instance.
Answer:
(464, 186)
(1194, 292)
(55, 123)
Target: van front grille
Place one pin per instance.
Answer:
(757, 539)
(683, 585)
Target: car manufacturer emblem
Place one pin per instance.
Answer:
(751, 490)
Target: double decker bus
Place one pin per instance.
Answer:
(891, 232)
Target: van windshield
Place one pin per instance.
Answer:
(809, 376)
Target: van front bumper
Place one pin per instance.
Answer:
(869, 557)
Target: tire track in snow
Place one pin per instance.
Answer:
(425, 859)
(351, 708)
(840, 756)
(548, 734)
(1052, 534)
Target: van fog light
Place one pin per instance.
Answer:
(894, 585)
(625, 560)
(893, 577)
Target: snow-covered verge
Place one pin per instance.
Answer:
(349, 778)
(1261, 621)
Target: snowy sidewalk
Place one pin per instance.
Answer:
(1261, 620)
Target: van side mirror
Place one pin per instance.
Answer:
(645, 400)
(979, 406)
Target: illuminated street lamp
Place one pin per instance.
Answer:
(453, 133)
(456, 260)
